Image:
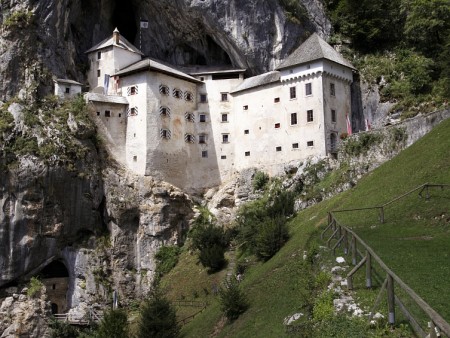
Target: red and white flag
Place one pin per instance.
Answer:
(349, 125)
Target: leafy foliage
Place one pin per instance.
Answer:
(166, 259)
(295, 11)
(158, 318)
(18, 19)
(356, 146)
(260, 180)
(113, 325)
(232, 300)
(34, 287)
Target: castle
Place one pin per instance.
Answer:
(195, 128)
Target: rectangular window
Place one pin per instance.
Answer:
(276, 100)
(308, 89)
(247, 153)
(202, 118)
(204, 153)
(133, 111)
(98, 73)
(333, 115)
(135, 158)
(224, 97)
(165, 133)
(310, 143)
(309, 116)
(245, 107)
(293, 119)
(133, 90)
(293, 92)
(98, 113)
(203, 98)
(294, 145)
(246, 131)
(277, 125)
(332, 89)
(225, 138)
(278, 148)
(107, 113)
(99, 55)
(224, 117)
(223, 157)
(67, 90)
(202, 138)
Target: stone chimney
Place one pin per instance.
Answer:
(116, 36)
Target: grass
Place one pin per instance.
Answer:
(284, 285)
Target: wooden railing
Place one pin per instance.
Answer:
(350, 242)
(92, 316)
(190, 303)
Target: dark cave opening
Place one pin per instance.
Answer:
(54, 269)
(124, 18)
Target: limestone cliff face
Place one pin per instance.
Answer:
(253, 34)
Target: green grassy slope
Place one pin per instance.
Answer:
(414, 241)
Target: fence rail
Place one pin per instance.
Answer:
(350, 242)
(190, 303)
(92, 316)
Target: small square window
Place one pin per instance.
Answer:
(309, 116)
(247, 153)
(223, 157)
(107, 113)
(188, 96)
(202, 138)
(133, 90)
(224, 117)
(99, 55)
(332, 89)
(245, 107)
(135, 158)
(225, 138)
(246, 131)
(276, 100)
(98, 113)
(165, 133)
(224, 96)
(164, 90)
(177, 93)
(292, 92)
(133, 111)
(308, 89)
(310, 143)
(278, 148)
(202, 118)
(277, 125)
(204, 153)
(293, 119)
(120, 114)
(98, 72)
(67, 90)
(294, 145)
(203, 98)
(202, 78)
(333, 115)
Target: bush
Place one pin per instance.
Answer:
(18, 19)
(260, 180)
(232, 300)
(270, 237)
(113, 325)
(158, 318)
(212, 242)
(34, 287)
(62, 329)
(166, 259)
(323, 308)
(361, 143)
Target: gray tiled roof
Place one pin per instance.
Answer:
(314, 48)
(158, 66)
(68, 81)
(106, 98)
(123, 43)
(259, 80)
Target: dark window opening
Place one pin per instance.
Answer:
(333, 115)
(247, 153)
(310, 143)
(98, 113)
(98, 73)
(202, 138)
(294, 145)
(99, 55)
(309, 116)
(225, 76)
(224, 117)
(202, 118)
(225, 138)
(293, 92)
(224, 97)
(308, 89)
(135, 158)
(223, 157)
(332, 89)
(67, 90)
(277, 125)
(120, 114)
(276, 100)
(204, 153)
(203, 98)
(107, 113)
(293, 118)
(246, 131)
(245, 107)
(278, 148)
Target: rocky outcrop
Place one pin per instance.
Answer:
(50, 37)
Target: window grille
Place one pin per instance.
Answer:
(133, 90)
(133, 111)
(188, 96)
(189, 138)
(164, 111)
(165, 133)
(164, 90)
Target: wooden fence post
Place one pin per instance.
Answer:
(354, 250)
(368, 270)
(381, 214)
(391, 299)
(345, 242)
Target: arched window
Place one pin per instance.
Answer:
(164, 111)
(188, 96)
(177, 93)
(164, 90)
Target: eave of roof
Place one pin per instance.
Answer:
(68, 81)
(108, 42)
(225, 71)
(150, 64)
(117, 99)
(257, 81)
(314, 48)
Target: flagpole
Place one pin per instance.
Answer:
(140, 34)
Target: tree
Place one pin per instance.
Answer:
(232, 300)
(158, 318)
(113, 325)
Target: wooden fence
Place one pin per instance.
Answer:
(190, 303)
(92, 316)
(351, 242)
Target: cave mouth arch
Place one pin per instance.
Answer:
(55, 269)
(124, 18)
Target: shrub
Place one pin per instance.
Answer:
(166, 259)
(361, 143)
(260, 180)
(211, 241)
(62, 329)
(19, 19)
(158, 318)
(34, 287)
(271, 236)
(232, 300)
(113, 325)
(323, 308)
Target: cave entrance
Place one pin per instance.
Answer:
(124, 19)
(55, 277)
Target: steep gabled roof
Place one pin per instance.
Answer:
(314, 48)
(259, 80)
(123, 43)
(150, 64)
